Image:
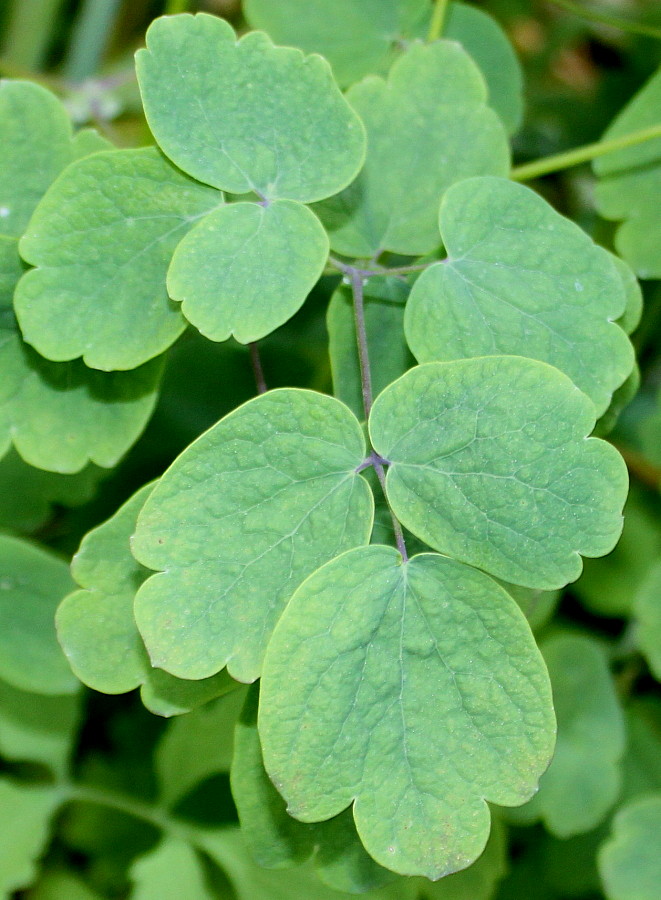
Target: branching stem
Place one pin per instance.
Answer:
(257, 369)
(603, 18)
(584, 154)
(437, 20)
(348, 269)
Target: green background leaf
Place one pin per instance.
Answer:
(428, 126)
(629, 863)
(27, 810)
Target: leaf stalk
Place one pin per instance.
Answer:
(437, 20)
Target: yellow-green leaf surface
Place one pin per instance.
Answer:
(521, 279)
(630, 862)
(96, 628)
(428, 126)
(37, 728)
(245, 115)
(390, 357)
(647, 610)
(247, 268)
(32, 583)
(583, 780)
(195, 746)
(490, 464)
(479, 881)
(363, 38)
(629, 183)
(247, 511)
(277, 840)
(26, 812)
(102, 239)
(172, 871)
(414, 689)
(59, 884)
(228, 849)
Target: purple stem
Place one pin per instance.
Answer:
(256, 361)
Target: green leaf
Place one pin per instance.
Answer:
(630, 183)
(483, 38)
(356, 38)
(537, 606)
(32, 583)
(414, 689)
(630, 863)
(246, 269)
(28, 494)
(489, 464)
(608, 586)
(428, 126)
(583, 780)
(641, 766)
(35, 134)
(275, 839)
(248, 116)
(477, 882)
(247, 512)
(59, 884)
(633, 311)
(520, 279)
(384, 300)
(195, 746)
(27, 811)
(171, 871)
(110, 577)
(228, 849)
(647, 610)
(102, 239)
(37, 728)
(88, 141)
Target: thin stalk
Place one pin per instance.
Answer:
(361, 339)
(399, 534)
(603, 18)
(89, 39)
(641, 468)
(437, 20)
(258, 371)
(347, 269)
(146, 812)
(173, 7)
(584, 154)
(30, 31)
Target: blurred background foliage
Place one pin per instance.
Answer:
(579, 72)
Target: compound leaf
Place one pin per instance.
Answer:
(521, 279)
(27, 811)
(102, 239)
(647, 610)
(583, 780)
(110, 577)
(428, 126)
(630, 863)
(414, 689)
(249, 510)
(489, 464)
(171, 871)
(247, 116)
(32, 583)
(246, 269)
(276, 840)
(630, 182)
(37, 728)
(390, 357)
(195, 746)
